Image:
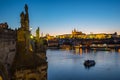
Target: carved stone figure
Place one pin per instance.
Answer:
(25, 19)
(23, 33)
(22, 19)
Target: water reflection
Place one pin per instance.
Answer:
(81, 51)
(119, 50)
(68, 65)
(88, 67)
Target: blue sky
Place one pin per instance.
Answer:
(62, 16)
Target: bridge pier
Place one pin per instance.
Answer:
(3, 72)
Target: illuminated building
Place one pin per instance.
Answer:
(77, 34)
(101, 36)
(97, 36)
(80, 35)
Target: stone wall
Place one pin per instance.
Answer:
(7, 49)
(38, 73)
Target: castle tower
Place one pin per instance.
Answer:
(23, 33)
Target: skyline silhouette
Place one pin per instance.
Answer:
(62, 16)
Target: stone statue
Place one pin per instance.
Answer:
(37, 34)
(25, 19)
(26, 8)
(22, 20)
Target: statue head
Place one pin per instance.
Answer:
(26, 8)
(22, 14)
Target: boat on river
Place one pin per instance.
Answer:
(89, 63)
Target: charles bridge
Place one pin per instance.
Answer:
(21, 57)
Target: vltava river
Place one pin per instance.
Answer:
(68, 65)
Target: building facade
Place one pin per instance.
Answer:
(7, 47)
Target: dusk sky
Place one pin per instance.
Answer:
(62, 16)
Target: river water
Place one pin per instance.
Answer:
(68, 65)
